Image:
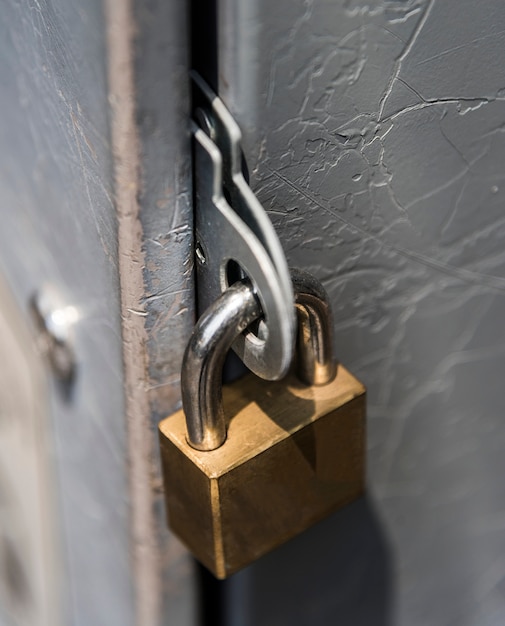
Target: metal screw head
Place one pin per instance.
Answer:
(54, 323)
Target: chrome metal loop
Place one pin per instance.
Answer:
(202, 365)
(214, 334)
(315, 364)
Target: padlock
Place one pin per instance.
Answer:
(281, 455)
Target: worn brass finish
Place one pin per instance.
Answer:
(294, 454)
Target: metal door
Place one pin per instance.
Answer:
(373, 135)
(87, 144)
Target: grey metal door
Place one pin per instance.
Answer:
(82, 532)
(373, 135)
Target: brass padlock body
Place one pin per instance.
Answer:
(294, 453)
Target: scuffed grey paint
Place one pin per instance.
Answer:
(162, 91)
(58, 226)
(162, 103)
(374, 134)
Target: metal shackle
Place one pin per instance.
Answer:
(217, 329)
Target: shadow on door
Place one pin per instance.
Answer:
(337, 572)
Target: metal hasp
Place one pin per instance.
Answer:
(216, 330)
(235, 238)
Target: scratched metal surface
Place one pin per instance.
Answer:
(58, 226)
(161, 55)
(162, 103)
(374, 137)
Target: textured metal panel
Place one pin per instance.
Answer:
(58, 225)
(148, 80)
(162, 113)
(161, 81)
(374, 137)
